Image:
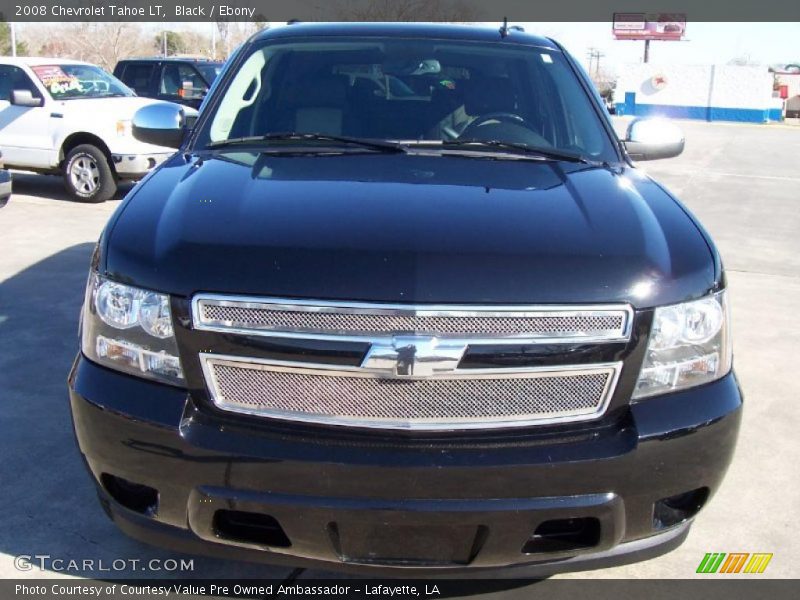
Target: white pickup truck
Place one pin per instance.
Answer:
(71, 117)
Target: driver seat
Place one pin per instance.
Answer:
(320, 105)
(487, 95)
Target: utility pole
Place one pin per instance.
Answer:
(214, 41)
(13, 39)
(594, 59)
(165, 43)
(598, 55)
(647, 51)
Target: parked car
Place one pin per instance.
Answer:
(175, 79)
(5, 184)
(455, 331)
(71, 117)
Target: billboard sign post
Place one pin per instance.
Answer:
(670, 27)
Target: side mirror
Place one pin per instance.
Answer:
(189, 92)
(25, 98)
(162, 124)
(651, 139)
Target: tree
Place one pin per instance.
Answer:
(104, 43)
(446, 11)
(223, 47)
(5, 41)
(174, 42)
(196, 43)
(232, 33)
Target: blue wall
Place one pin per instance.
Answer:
(705, 113)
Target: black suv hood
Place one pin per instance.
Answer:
(405, 228)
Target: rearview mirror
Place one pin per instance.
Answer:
(652, 139)
(162, 124)
(25, 98)
(404, 67)
(427, 67)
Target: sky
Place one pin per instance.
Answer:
(706, 43)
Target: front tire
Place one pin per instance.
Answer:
(87, 174)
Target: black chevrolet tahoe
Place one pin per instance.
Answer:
(401, 303)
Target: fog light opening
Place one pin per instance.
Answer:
(562, 535)
(133, 496)
(250, 528)
(673, 510)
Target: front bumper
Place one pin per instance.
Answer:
(398, 504)
(135, 166)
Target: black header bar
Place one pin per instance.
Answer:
(389, 10)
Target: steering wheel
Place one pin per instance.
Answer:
(503, 117)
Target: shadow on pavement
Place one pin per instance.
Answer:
(48, 501)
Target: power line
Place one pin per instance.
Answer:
(594, 55)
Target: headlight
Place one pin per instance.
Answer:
(689, 345)
(130, 329)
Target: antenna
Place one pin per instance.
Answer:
(504, 28)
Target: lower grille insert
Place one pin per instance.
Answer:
(471, 399)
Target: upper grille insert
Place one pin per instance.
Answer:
(282, 317)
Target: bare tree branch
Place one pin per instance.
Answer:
(101, 43)
(446, 11)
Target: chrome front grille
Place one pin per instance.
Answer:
(486, 398)
(282, 318)
(410, 375)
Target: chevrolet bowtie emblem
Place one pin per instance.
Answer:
(413, 356)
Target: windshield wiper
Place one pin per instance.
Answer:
(256, 140)
(546, 153)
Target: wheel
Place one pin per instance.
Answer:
(87, 174)
(502, 117)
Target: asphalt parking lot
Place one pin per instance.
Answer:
(741, 180)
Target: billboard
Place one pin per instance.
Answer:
(649, 26)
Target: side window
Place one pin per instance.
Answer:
(183, 81)
(237, 103)
(137, 76)
(6, 82)
(14, 78)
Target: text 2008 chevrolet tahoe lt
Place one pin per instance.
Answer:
(401, 303)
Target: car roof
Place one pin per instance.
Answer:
(191, 59)
(40, 60)
(412, 30)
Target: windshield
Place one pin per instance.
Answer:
(434, 92)
(65, 82)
